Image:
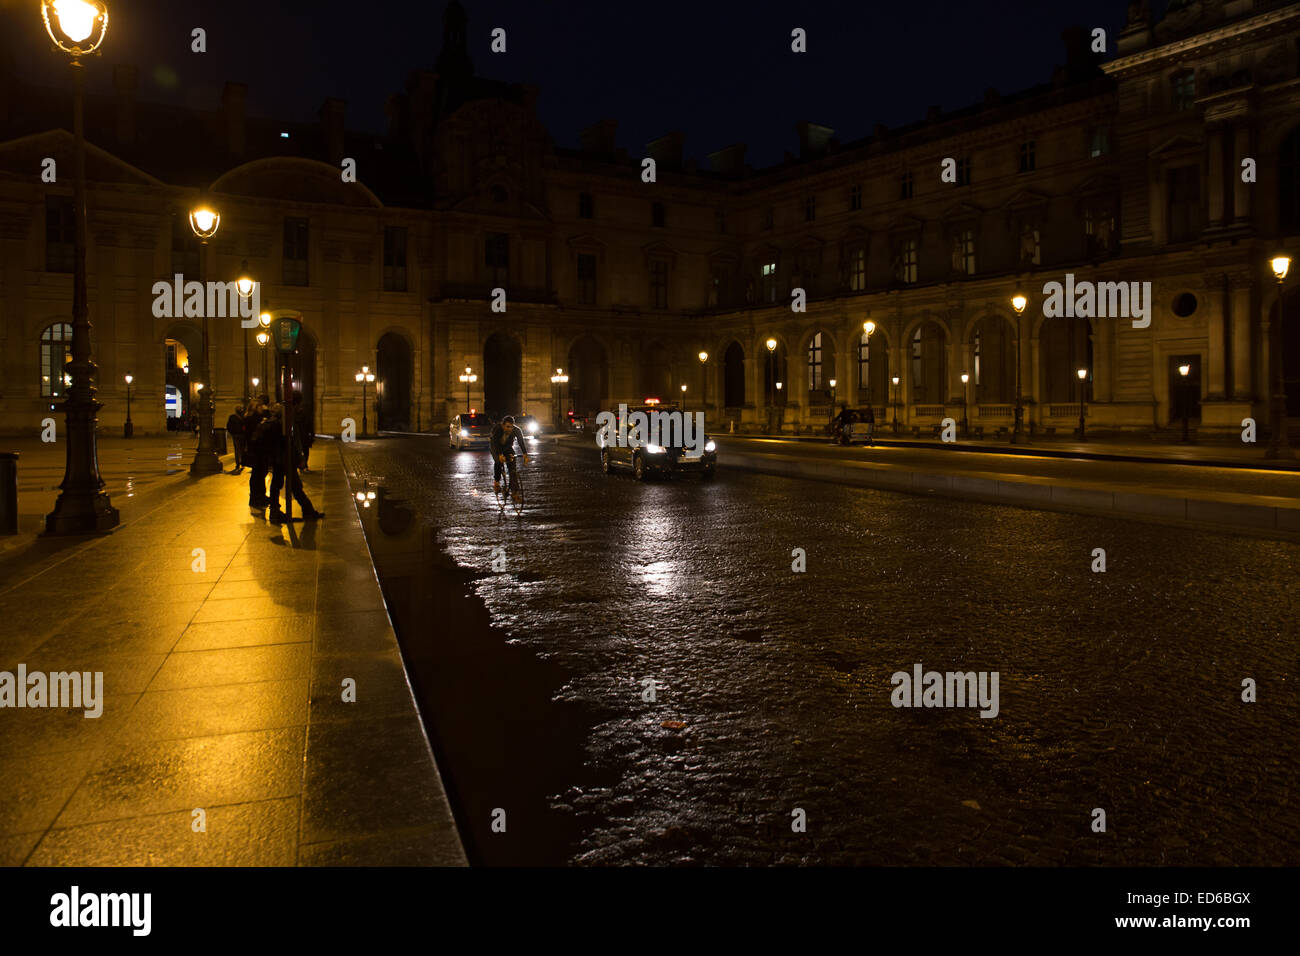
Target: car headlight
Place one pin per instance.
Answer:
(710, 445)
(654, 449)
(464, 433)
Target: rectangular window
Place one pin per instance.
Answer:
(905, 186)
(587, 279)
(907, 266)
(1027, 162)
(295, 251)
(394, 258)
(658, 284)
(855, 198)
(56, 352)
(968, 252)
(1184, 90)
(1098, 141)
(59, 234)
(769, 217)
(857, 269)
(963, 171)
(496, 256)
(1184, 193)
(658, 215)
(864, 363)
(720, 293)
(768, 275)
(185, 248)
(586, 206)
(810, 209)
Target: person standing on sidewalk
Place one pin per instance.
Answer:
(282, 470)
(869, 419)
(258, 431)
(235, 429)
(303, 428)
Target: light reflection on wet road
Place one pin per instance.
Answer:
(1118, 690)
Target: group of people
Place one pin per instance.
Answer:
(847, 417)
(257, 432)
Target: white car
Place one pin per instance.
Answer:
(470, 430)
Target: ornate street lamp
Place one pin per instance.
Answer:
(204, 220)
(364, 377)
(965, 404)
(468, 379)
(264, 338)
(895, 383)
(1083, 378)
(867, 328)
(832, 383)
(1018, 302)
(683, 396)
(1278, 446)
(1183, 370)
(128, 429)
(245, 284)
(704, 381)
(558, 379)
(77, 27)
(770, 395)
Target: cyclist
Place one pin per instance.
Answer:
(504, 436)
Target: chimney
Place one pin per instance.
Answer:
(813, 139)
(992, 98)
(933, 114)
(234, 103)
(879, 131)
(667, 150)
(598, 138)
(331, 121)
(730, 160)
(124, 84)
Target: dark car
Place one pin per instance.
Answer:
(470, 430)
(621, 446)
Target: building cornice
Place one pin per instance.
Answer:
(1202, 43)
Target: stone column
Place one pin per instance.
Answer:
(1241, 192)
(1217, 192)
(1215, 325)
(1245, 386)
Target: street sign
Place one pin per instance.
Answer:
(285, 333)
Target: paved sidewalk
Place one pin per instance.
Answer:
(222, 689)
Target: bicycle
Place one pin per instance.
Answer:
(514, 490)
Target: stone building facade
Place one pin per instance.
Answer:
(1127, 167)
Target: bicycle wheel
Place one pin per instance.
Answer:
(517, 489)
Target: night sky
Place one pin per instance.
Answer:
(719, 70)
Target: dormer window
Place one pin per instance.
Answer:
(1184, 90)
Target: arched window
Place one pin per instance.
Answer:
(815, 383)
(56, 352)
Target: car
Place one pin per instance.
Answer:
(528, 425)
(470, 430)
(684, 450)
(858, 429)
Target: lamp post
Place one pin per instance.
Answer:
(832, 399)
(867, 328)
(704, 381)
(683, 396)
(245, 286)
(128, 429)
(1278, 446)
(256, 381)
(77, 27)
(264, 338)
(965, 404)
(1083, 379)
(204, 221)
(894, 380)
(365, 377)
(557, 380)
(468, 379)
(771, 394)
(1183, 370)
(1018, 302)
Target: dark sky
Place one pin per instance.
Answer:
(719, 70)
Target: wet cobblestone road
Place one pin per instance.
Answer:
(1119, 691)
